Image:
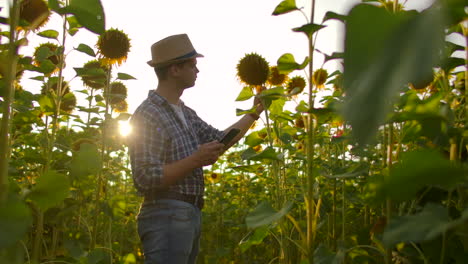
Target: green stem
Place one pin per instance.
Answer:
(10, 77)
(311, 150)
(388, 205)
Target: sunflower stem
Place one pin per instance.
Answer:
(12, 60)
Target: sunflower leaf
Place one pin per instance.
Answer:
(86, 49)
(52, 34)
(383, 53)
(285, 7)
(264, 214)
(245, 94)
(287, 63)
(332, 15)
(124, 76)
(88, 13)
(309, 29)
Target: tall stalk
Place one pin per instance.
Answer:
(39, 232)
(388, 205)
(311, 151)
(12, 60)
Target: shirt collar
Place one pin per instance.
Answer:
(155, 98)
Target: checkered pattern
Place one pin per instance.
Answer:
(159, 137)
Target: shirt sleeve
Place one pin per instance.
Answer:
(205, 132)
(147, 153)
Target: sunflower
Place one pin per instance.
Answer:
(214, 177)
(121, 107)
(258, 148)
(35, 12)
(47, 52)
(68, 102)
(98, 80)
(113, 46)
(296, 85)
(117, 93)
(319, 78)
(253, 69)
(299, 122)
(77, 144)
(52, 86)
(276, 78)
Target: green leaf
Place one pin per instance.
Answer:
(335, 55)
(86, 49)
(309, 29)
(253, 139)
(264, 214)
(286, 63)
(54, 5)
(284, 7)
(426, 225)
(89, 13)
(245, 94)
(51, 188)
(15, 220)
(46, 67)
(90, 72)
(129, 259)
(419, 169)
(52, 34)
(46, 104)
(267, 154)
(124, 76)
(86, 161)
(255, 237)
(332, 15)
(383, 53)
(73, 25)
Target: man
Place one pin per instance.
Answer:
(169, 146)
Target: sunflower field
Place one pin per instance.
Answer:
(367, 164)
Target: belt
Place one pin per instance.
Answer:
(196, 200)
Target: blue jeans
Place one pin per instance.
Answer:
(169, 231)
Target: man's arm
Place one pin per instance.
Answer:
(206, 154)
(245, 123)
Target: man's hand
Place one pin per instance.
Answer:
(208, 153)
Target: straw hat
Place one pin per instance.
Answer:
(172, 49)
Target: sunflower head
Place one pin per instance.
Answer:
(296, 85)
(113, 46)
(262, 134)
(52, 85)
(300, 146)
(77, 144)
(35, 12)
(121, 107)
(95, 81)
(276, 78)
(117, 93)
(319, 78)
(214, 177)
(47, 52)
(258, 148)
(68, 102)
(299, 122)
(253, 69)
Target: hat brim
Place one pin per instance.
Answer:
(169, 62)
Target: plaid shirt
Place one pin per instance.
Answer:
(159, 137)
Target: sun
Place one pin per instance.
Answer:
(124, 128)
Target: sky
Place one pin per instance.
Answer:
(223, 31)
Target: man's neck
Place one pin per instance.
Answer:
(170, 92)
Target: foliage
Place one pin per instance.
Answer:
(367, 165)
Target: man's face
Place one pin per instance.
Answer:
(187, 73)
